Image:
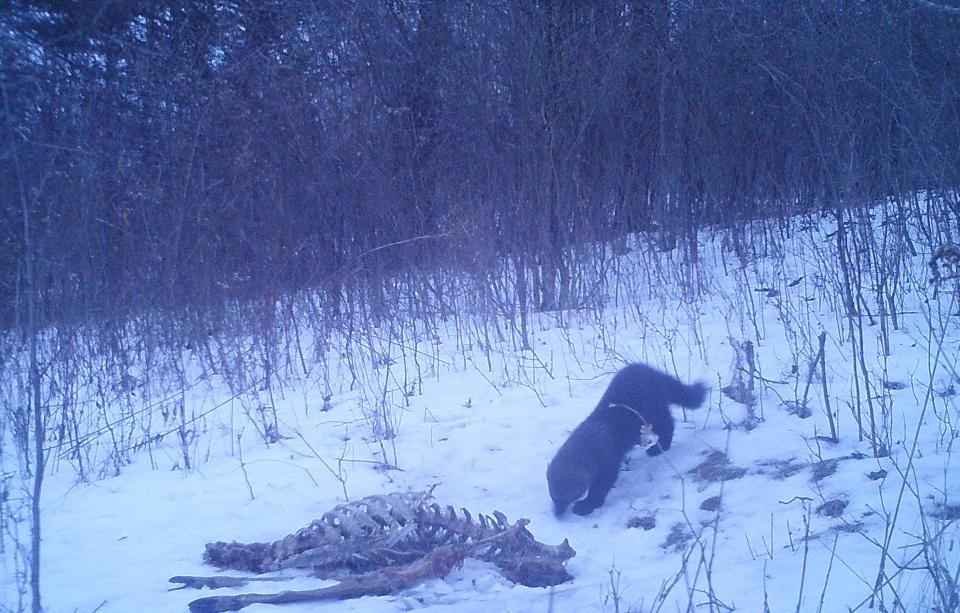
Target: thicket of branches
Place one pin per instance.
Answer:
(211, 176)
(176, 155)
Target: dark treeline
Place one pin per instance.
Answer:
(178, 154)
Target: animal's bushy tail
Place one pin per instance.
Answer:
(665, 385)
(689, 396)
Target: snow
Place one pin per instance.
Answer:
(483, 436)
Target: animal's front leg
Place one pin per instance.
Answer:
(598, 490)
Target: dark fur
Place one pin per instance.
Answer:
(590, 459)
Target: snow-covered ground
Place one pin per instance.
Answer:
(751, 507)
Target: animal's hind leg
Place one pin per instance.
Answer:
(598, 490)
(664, 439)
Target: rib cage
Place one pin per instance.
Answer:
(388, 530)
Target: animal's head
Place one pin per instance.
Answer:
(568, 482)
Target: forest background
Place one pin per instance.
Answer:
(227, 177)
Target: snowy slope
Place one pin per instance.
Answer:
(748, 507)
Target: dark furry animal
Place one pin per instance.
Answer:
(590, 459)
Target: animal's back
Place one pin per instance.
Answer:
(638, 385)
